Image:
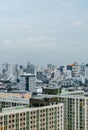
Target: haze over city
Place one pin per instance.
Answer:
(43, 31)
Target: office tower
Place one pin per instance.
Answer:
(75, 110)
(4, 71)
(27, 82)
(12, 72)
(50, 68)
(69, 67)
(82, 69)
(75, 69)
(1, 71)
(86, 71)
(61, 69)
(39, 75)
(30, 68)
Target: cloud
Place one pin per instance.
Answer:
(9, 23)
(37, 43)
(66, 4)
(77, 23)
(7, 43)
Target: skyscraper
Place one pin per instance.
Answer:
(27, 82)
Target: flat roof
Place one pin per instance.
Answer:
(19, 109)
(73, 96)
(41, 96)
(16, 100)
(15, 95)
(52, 88)
(27, 75)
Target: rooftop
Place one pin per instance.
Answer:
(75, 94)
(51, 87)
(27, 75)
(41, 96)
(15, 95)
(24, 109)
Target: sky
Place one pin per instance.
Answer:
(43, 31)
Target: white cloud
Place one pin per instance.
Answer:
(66, 3)
(11, 24)
(37, 43)
(40, 43)
(77, 23)
(6, 43)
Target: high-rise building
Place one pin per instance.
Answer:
(75, 110)
(69, 67)
(27, 82)
(50, 68)
(86, 71)
(36, 118)
(75, 69)
(39, 75)
(30, 68)
(82, 69)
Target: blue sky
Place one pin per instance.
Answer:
(43, 31)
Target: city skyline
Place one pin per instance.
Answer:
(50, 31)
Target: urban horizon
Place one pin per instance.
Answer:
(43, 65)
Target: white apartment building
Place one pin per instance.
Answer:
(40, 118)
(75, 110)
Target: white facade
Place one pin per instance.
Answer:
(76, 111)
(40, 118)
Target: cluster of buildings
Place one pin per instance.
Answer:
(33, 78)
(40, 112)
(52, 98)
(59, 111)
